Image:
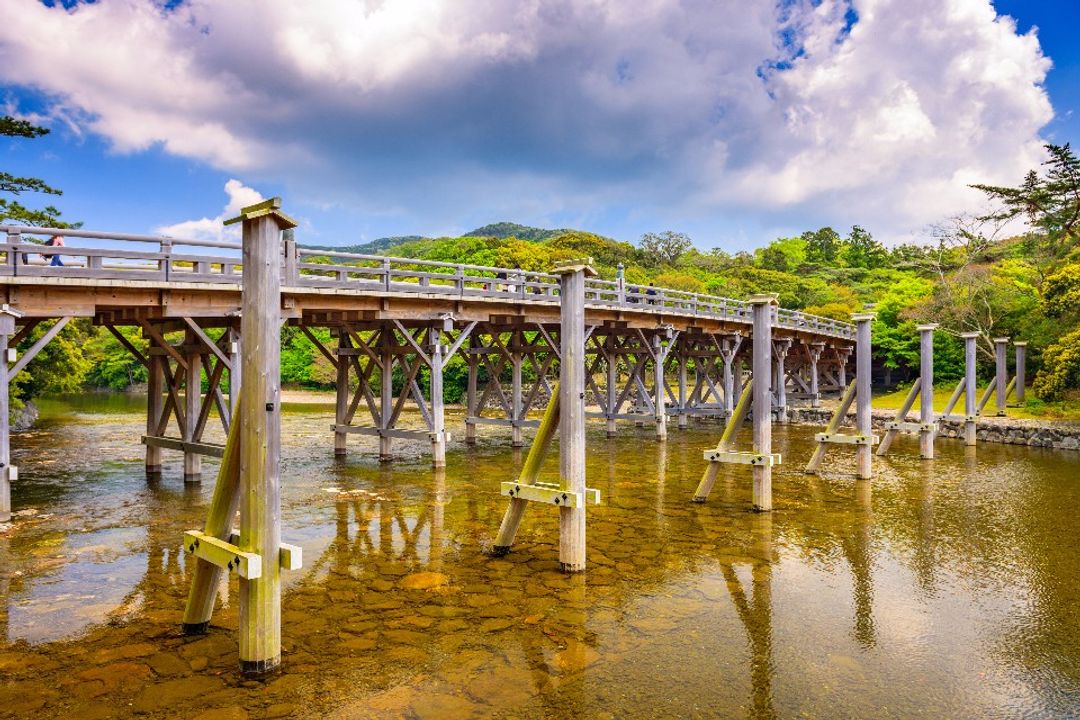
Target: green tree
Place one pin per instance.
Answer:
(10, 209)
(861, 250)
(665, 247)
(822, 246)
(1049, 202)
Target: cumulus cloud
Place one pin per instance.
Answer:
(240, 196)
(869, 111)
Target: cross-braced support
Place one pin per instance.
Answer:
(859, 393)
(368, 357)
(757, 396)
(566, 411)
(967, 388)
(177, 371)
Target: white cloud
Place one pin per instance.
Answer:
(424, 107)
(240, 196)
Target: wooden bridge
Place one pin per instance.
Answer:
(214, 311)
(651, 353)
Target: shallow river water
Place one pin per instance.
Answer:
(945, 588)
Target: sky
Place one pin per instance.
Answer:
(735, 121)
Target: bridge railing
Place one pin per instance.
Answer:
(113, 256)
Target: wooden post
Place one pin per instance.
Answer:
(341, 387)
(155, 403)
(572, 411)
(815, 349)
(763, 306)
(235, 373)
(1000, 346)
(926, 390)
(516, 439)
(470, 390)
(260, 436)
(864, 454)
(192, 397)
(780, 350)
(971, 408)
(1021, 371)
(659, 392)
(727, 353)
(611, 365)
(683, 416)
(7, 329)
(842, 355)
(438, 419)
(386, 392)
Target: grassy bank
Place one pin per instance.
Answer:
(1033, 409)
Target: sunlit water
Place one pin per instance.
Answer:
(951, 588)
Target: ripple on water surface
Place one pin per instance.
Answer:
(948, 589)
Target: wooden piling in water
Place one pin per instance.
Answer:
(864, 453)
(386, 392)
(1001, 345)
(192, 397)
(659, 392)
(926, 390)
(471, 410)
(572, 411)
(341, 387)
(763, 308)
(155, 403)
(260, 438)
(971, 408)
(438, 416)
(7, 329)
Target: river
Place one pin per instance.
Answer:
(946, 588)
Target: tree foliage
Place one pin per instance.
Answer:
(11, 210)
(665, 247)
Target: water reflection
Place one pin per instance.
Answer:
(936, 590)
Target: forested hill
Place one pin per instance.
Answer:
(501, 230)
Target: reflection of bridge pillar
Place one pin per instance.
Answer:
(192, 390)
(860, 557)
(155, 403)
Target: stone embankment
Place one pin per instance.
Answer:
(1036, 433)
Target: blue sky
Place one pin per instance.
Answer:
(733, 121)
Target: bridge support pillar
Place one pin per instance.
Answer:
(971, 407)
(386, 393)
(728, 348)
(864, 453)
(192, 405)
(1021, 371)
(7, 329)
(471, 410)
(516, 438)
(814, 350)
(438, 418)
(780, 351)
(659, 390)
(926, 391)
(341, 386)
(1001, 345)
(611, 367)
(572, 413)
(155, 403)
(763, 308)
(683, 404)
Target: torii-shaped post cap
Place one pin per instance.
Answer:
(270, 207)
(927, 327)
(764, 299)
(1020, 343)
(1001, 339)
(568, 267)
(970, 335)
(863, 316)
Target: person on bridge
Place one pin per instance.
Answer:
(55, 241)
